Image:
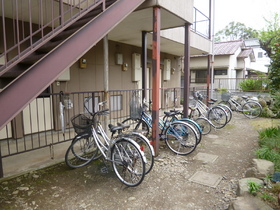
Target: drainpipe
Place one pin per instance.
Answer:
(144, 64)
(156, 77)
(106, 77)
(187, 70)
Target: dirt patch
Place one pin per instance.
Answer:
(167, 186)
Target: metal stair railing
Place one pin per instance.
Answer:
(33, 23)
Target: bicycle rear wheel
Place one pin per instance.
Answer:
(195, 126)
(217, 116)
(180, 138)
(81, 152)
(138, 125)
(225, 103)
(204, 125)
(251, 109)
(146, 147)
(228, 111)
(128, 162)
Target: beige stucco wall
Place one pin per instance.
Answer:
(91, 78)
(182, 8)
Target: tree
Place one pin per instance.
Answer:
(235, 31)
(268, 36)
(274, 69)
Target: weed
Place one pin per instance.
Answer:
(267, 197)
(253, 187)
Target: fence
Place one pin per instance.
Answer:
(46, 121)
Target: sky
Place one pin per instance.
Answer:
(249, 12)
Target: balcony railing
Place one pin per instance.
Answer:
(201, 24)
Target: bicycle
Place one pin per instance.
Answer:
(217, 115)
(141, 140)
(128, 161)
(201, 124)
(180, 137)
(250, 108)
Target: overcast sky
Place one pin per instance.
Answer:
(249, 12)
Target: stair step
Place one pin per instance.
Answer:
(64, 34)
(48, 46)
(33, 58)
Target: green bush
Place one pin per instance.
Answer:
(254, 85)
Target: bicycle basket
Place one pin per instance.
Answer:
(81, 124)
(226, 96)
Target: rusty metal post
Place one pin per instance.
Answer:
(144, 64)
(187, 70)
(156, 78)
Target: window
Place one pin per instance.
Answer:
(201, 76)
(260, 54)
(116, 103)
(220, 72)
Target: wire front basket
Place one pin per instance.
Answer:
(81, 124)
(226, 96)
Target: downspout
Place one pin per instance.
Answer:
(106, 77)
(211, 33)
(144, 64)
(156, 78)
(187, 70)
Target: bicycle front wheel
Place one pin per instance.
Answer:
(138, 125)
(252, 109)
(128, 162)
(204, 125)
(218, 117)
(81, 152)
(180, 138)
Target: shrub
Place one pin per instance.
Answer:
(253, 85)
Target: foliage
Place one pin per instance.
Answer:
(253, 187)
(276, 103)
(235, 31)
(222, 90)
(274, 69)
(268, 35)
(267, 197)
(269, 141)
(248, 85)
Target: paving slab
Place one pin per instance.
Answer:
(211, 136)
(204, 178)
(222, 142)
(206, 158)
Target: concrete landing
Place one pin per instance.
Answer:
(204, 178)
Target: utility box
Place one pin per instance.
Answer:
(65, 76)
(167, 69)
(136, 67)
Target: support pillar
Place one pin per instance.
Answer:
(144, 64)
(156, 78)
(187, 75)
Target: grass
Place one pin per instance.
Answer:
(269, 142)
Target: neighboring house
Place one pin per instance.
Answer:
(232, 61)
(262, 60)
(49, 46)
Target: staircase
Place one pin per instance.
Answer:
(25, 78)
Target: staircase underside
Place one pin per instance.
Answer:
(43, 73)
